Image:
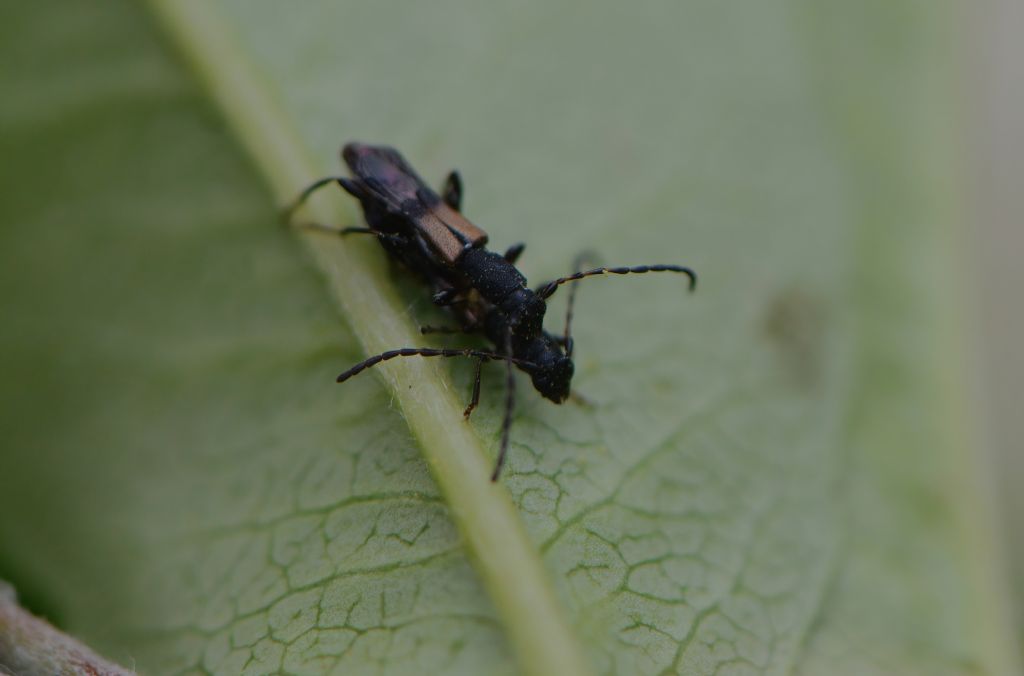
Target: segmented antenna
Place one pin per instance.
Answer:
(547, 290)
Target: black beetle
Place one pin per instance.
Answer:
(428, 234)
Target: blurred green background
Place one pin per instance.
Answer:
(808, 467)
(995, 238)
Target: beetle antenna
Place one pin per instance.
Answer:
(431, 352)
(510, 404)
(547, 290)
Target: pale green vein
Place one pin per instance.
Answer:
(506, 560)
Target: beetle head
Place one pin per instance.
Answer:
(553, 373)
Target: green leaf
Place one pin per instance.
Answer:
(776, 474)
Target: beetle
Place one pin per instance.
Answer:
(427, 233)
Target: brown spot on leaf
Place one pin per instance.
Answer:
(794, 323)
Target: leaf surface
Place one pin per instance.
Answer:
(767, 467)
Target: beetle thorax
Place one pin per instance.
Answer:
(525, 312)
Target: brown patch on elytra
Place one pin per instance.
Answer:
(794, 323)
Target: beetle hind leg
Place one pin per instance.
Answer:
(320, 227)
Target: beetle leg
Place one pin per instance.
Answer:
(424, 330)
(469, 328)
(446, 297)
(510, 404)
(577, 265)
(451, 192)
(370, 362)
(513, 252)
(336, 231)
(475, 399)
(287, 211)
(395, 240)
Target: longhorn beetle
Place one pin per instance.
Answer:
(428, 234)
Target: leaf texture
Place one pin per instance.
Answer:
(762, 483)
